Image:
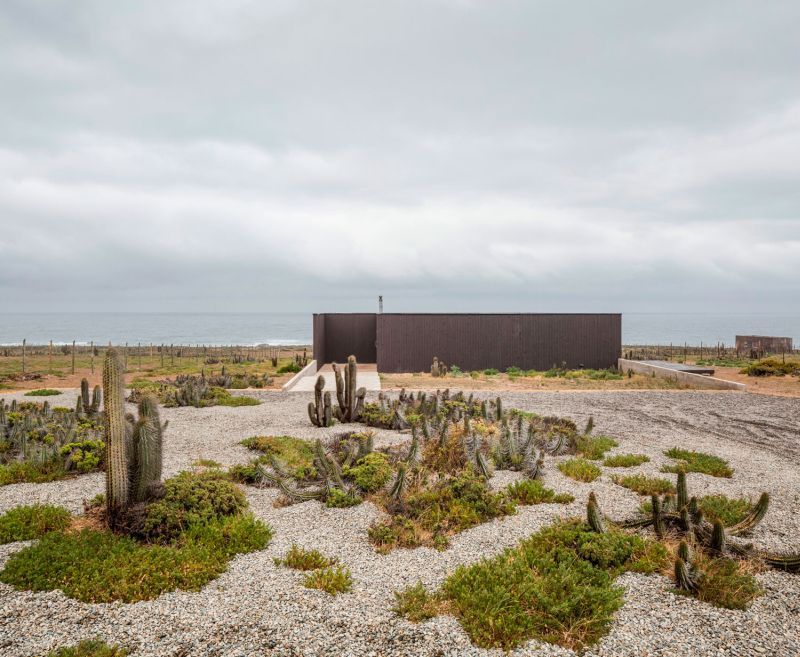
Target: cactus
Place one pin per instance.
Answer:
(148, 441)
(658, 522)
(117, 484)
(399, 482)
(593, 515)
(319, 411)
(350, 399)
(589, 426)
(683, 496)
(685, 579)
(718, 538)
(89, 405)
(755, 516)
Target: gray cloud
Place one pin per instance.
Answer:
(450, 154)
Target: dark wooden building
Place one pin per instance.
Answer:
(756, 346)
(407, 342)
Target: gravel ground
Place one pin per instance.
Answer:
(256, 608)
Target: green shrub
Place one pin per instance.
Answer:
(491, 371)
(697, 462)
(595, 447)
(371, 472)
(228, 399)
(295, 454)
(98, 566)
(725, 583)
(430, 516)
(289, 368)
(245, 473)
(580, 470)
(191, 498)
(644, 485)
(301, 559)
(332, 580)
(91, 648)
(24, 523)
(532, 491)
(415, 603)
(18, 472)
(625, 460)
(85, 455)
(556, 586)
(771, 367)
(338, 499)
(42, 392)
(207, 463)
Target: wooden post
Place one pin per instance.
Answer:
(50, 358)
(91, 346)
(139, 353)
(126, 356)
(172, 354)
(162, 354)
(73, 357)
(23, 355)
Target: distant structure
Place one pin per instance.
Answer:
(756, 346)
(408, 342)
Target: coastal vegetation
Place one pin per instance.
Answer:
(146, 536)
(40, 443)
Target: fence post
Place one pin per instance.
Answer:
(162, 354)
(139, 354)
(91, 346)
(50, 358)
(23, 354)
(73, 357)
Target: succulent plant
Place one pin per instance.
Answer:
(117, 471)
(319, 411)
(593, 515)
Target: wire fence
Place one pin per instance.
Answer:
(60, 359)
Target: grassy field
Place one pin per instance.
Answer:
(57, 368)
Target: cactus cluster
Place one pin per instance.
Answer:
(349, 398)
(134, 445)
(679, 516)
(71, 440)
(438, 368)
(332, 483)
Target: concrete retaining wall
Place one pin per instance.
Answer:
(308, 370)
(694, 380)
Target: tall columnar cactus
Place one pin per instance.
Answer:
(683, 495)
(148, 440)
(89, 405)
(350, 398)
(319, 411)
(117, 477)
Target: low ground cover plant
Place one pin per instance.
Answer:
(90, 648)
(333, 580)
(594, 447)
(644, 485)
(203, 528)
(190, 390)
(295, 454)
(690, 461)
(556, 586)
(625, 460)
(43, 392)
(301, 559)
(580, 470)
(532, 491)
(25, 523)
(772, 367)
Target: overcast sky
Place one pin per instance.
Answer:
(452, 155)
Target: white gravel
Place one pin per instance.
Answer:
(256, 608)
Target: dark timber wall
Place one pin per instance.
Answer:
(336, 336)
(408, 342)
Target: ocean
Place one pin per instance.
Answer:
(295, 328)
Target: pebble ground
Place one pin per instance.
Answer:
(256, 608)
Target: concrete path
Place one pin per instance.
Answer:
(367, 377)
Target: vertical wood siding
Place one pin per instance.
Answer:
(408, 342)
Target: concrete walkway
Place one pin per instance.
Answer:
(367, 377)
